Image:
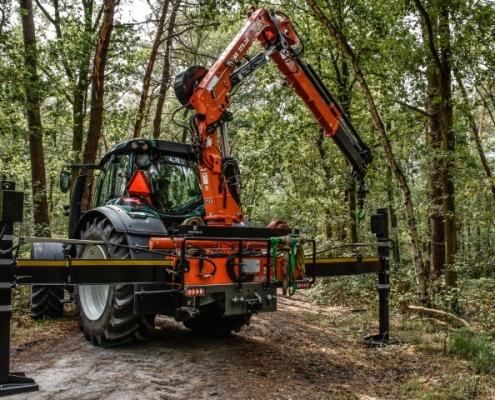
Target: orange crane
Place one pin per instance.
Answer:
(208, 91)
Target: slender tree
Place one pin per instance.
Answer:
(32, 90)
(76, 65)
(165, 79)
(149, 69)
(475, 132)
(98, 88)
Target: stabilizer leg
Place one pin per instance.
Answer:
(10, 201)
(379, 226)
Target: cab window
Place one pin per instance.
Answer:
(112, 180)
(175, 184)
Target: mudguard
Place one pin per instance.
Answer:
(122, 222)
(137, 230)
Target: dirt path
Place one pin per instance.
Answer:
(301, 352)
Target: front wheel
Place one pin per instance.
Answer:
(46, 301)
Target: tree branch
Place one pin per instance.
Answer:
(429, 28)
(45, 12)
(413, 108)
(459, 322)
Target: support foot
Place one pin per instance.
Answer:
(379, 340)
(17, 382)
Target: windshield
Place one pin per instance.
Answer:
(174, 182)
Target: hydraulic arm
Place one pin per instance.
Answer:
(207, 92)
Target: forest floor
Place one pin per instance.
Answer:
(303, 351)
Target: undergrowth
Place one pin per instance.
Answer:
(475, 347)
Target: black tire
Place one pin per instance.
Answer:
(46, 301)
(212, 323)
(117, 324)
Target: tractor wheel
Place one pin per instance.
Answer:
(46, 301)
(212, 323)
(106, 312)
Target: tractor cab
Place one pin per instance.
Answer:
(160, 177)
(145, 178)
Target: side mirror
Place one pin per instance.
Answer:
(64, 181)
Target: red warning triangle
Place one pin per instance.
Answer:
(138, 184)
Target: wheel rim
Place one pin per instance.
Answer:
(93, 299)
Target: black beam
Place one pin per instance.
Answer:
(11, 203)
(341, 266)
(79, 271)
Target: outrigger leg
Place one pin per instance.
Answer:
(10, 211)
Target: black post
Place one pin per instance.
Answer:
(379, 226)
(11, 208)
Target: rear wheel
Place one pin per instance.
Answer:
(46, 301)
(106, 312)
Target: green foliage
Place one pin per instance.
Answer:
(477, 348)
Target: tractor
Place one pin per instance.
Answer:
(155, 199)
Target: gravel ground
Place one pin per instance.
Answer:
(303, 351)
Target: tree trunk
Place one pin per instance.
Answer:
(149, 69)
(448, 138)
(329, 213)
(351, 193)
(165, 80)
(342, 43)
(32, 87)
(344, 97)
(394, 222)
(435, 181)
(436, 18)
(97, 92)
(81, 88)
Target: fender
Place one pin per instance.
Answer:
(122, 222)
(137, 231)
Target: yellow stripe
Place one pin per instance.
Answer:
(40, 263)
(93, 263)
(341, 260)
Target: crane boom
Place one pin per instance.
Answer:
(207, 92)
